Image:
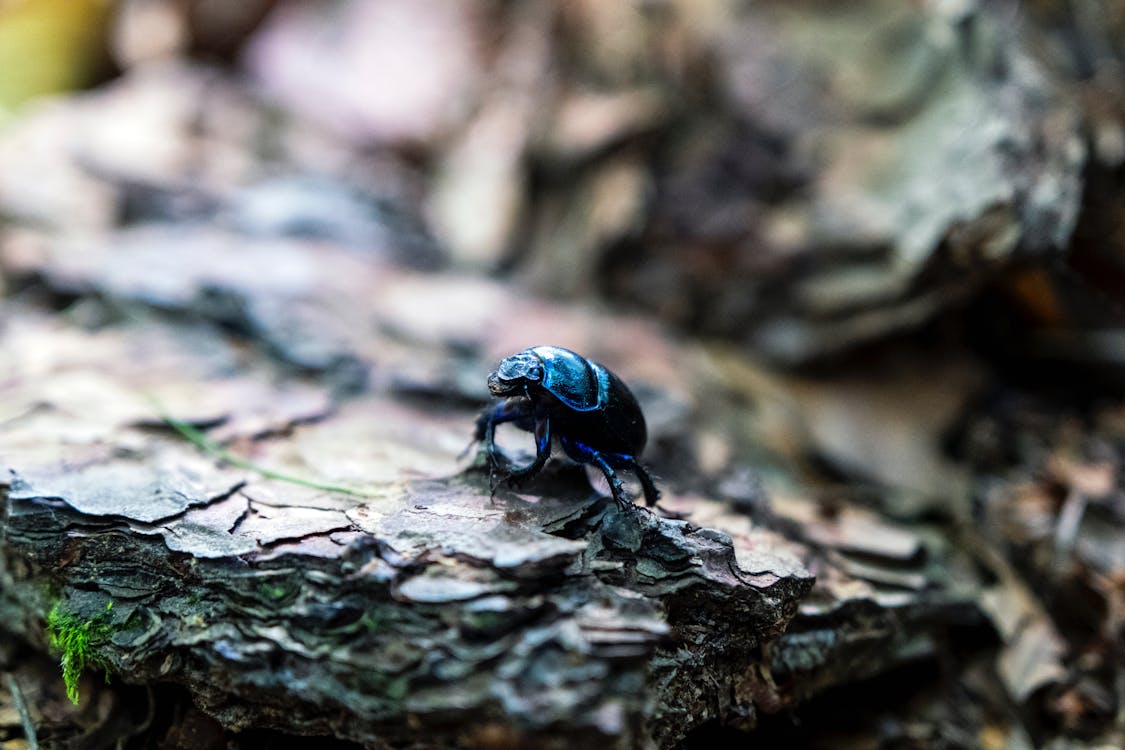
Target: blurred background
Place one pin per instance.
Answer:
(799, 179)
(862, 257)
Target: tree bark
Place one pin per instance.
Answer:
(368, 585)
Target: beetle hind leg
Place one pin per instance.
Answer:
(652, 494)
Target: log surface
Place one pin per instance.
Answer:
(384, 590)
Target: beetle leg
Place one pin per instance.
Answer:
(478, 433)
(587, 455)
(652, 495)
(614, 481)
(542, 452)
(512, 410)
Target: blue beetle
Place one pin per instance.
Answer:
(555, 393)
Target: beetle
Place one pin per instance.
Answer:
(557, 394)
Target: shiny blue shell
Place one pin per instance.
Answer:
(579, 383)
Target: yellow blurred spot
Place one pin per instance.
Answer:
(48, 46)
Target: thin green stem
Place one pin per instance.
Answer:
(209, 446)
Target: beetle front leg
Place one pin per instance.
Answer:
(512, 410)
(542, 453)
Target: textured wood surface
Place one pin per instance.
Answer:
(385, 590)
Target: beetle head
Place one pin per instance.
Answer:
(514, 374)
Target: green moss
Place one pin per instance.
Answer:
(371, 622)
(397, 688)
(276, 593)
(76, 640)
